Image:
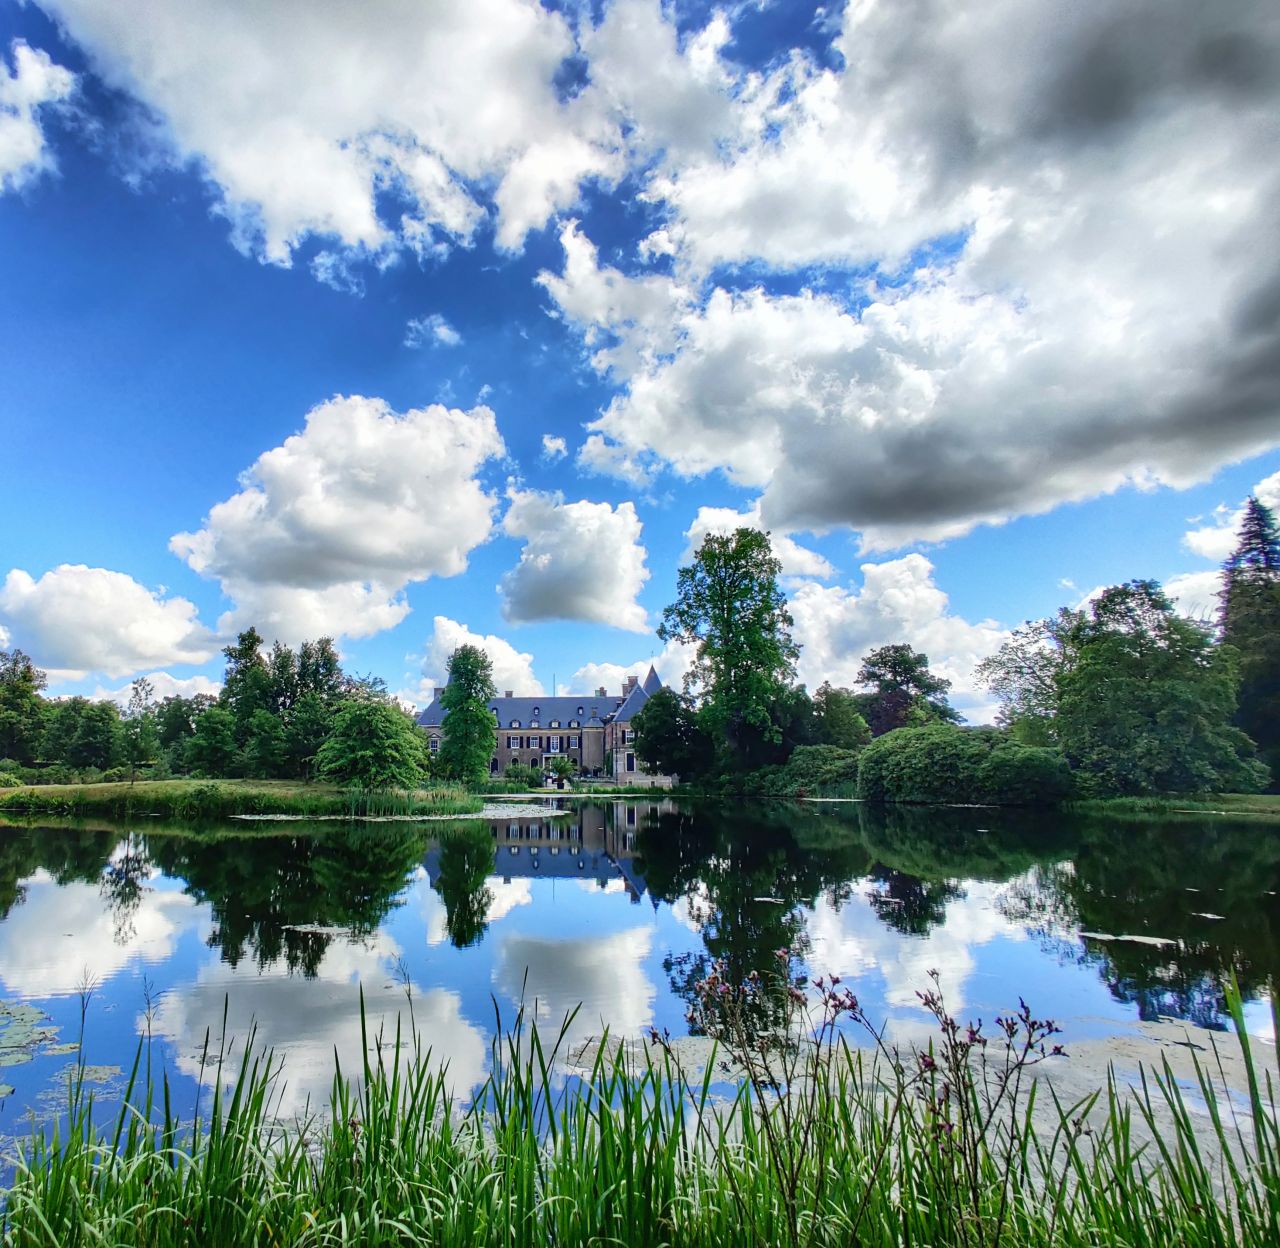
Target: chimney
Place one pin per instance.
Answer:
(508, 694)
(602, 692)
(629, 686)
(439, 692)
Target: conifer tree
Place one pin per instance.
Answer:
(1250, 621)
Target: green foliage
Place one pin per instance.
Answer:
(837, 720)
(669, 739)
(812, 770)
(730, 608)
(1250, 621)
(246, 684)
(1024, 675)
(563, 767)
(21, 707)
(946, 764)
(1147, 703)
(467, 733)
(373, 746)
(902, 691)
(467, 859)
(211, 749)
(306, 726)
(139, 734)
(522, 776)
(265, 749)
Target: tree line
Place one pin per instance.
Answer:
(1120, 696)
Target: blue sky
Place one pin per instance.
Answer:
(464, 319)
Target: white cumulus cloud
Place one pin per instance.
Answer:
(898, 602)
(377, 130)
(163, 685)
(331, 526)
(581, 561)
(553, 448)
(33, 83)
(1062, 222)
(512, 669)
(671, 663)
(78, 620)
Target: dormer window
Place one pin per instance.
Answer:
(579, 712)
(533, 723)
(515, 723)
(573, 723)
(537, 710)
(555, 723)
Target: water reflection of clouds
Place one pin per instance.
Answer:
(62, 934)
(504, 897)
(605, 975)
(853, 940)
(307, 1021)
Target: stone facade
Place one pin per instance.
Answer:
(594, 730)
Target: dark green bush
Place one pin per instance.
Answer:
(945, 764)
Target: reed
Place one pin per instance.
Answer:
(220, 799)
(822, 1143)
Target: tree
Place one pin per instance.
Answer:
(839, 722)
(467, 859)
(902, 690)
(139, 734)
(211, 749)
(669, 739)
(305, 728)
(563, 767)
(1024, 675)
(176, 717)
(1147, 702)
(246, 685)
(730, 608)
(467, 733)
(265, 751)
(1250, 621)
(98, 738)
(21, 707)
(373, 745)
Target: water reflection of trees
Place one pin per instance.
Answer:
(281, 898)
(467, 859)
(1158, 881)
(744, 872)
(69, 855)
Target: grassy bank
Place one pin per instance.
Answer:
(1261, 806)
(938, 1146)
(220, 799)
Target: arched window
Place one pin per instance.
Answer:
(537, 710)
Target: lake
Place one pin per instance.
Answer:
(159, 934)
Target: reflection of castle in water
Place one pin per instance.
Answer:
(594, 841)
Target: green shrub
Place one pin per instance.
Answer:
(941, 763)
(9, 781)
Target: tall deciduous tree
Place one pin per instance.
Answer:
(839, 722)
(21, 707)
(1250, 620)
(467, 734)
(730, 608)
(1024, 675)
(211, 750)
(373, 745)
(669, 739)
(1147, 703)
(139, 733)
(246, 686)
(902, 691)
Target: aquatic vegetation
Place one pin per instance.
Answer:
(818, 1142)
(220, 799)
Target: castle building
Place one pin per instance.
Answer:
(594, 730)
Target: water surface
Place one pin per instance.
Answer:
(142, 932)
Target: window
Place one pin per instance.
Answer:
(553, 744)
(628, 736)
(515, 723)
(434, 745)
(533, 723)
(535, 743)
(573, 723)
(579, 714)
(493, 766)
(537, 710)
(631, 762)
(573, 743)
(555, 723)
(513, 743)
